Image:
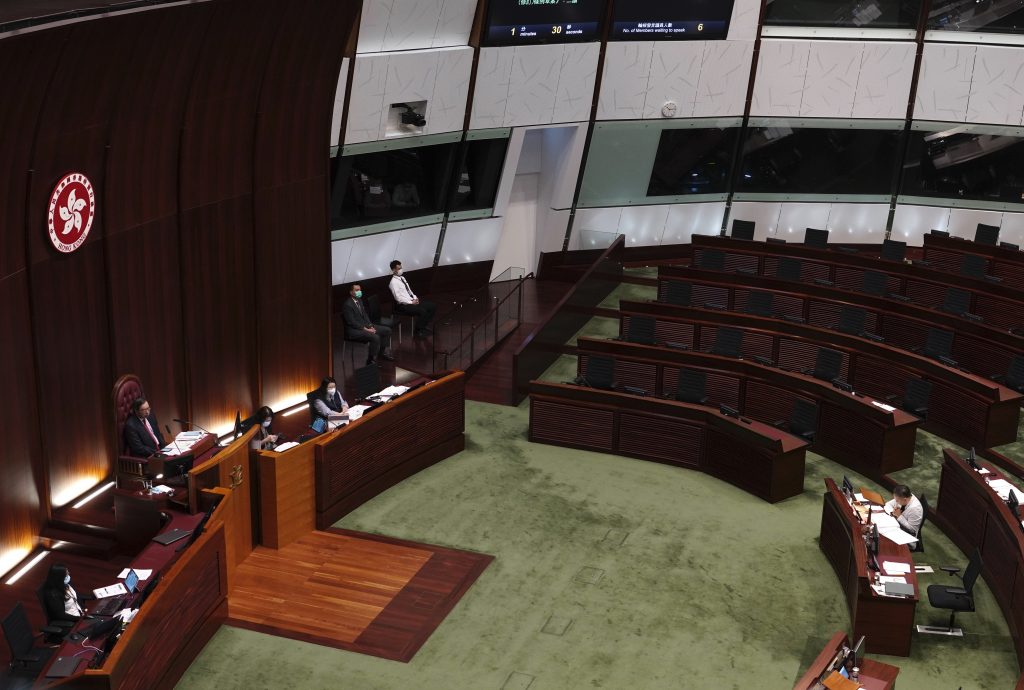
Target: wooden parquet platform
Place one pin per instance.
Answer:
(361, 592)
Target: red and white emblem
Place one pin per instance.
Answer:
(72, 210)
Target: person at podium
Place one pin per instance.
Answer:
(328, 406)
(141, 430)
(906, 508)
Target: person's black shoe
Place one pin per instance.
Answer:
(387, 356)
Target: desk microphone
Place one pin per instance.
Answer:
(174, 439)
(193, 424)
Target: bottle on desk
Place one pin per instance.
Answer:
(855, 674)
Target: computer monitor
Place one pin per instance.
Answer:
(848, 487)
(873, 540)
(1013, 503)
(743, 229)
(972, 459)
(816, 238)
(987, 235)
(858, 652)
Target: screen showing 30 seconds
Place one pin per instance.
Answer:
(513, 22)
(647, 20)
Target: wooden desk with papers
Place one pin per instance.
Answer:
(874, 675)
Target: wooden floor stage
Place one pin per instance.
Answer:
(360, 592)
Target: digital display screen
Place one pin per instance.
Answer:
(681, 20)
(524, 22)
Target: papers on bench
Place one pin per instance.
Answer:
(111, 591)
(284, 446)
(143, 573)
(356, 411)
(1003, 488)
(896, 568)
(889, 528)
(388, 393)
(183, 442)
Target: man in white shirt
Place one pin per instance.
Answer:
(905, 507)
(406, 302)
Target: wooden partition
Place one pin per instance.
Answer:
(978, 347)
(851, 429)
(947, 254)
(974, 517)
(758, 458)
(311, 486)
(888, 622)
(873, 674)
(963, 408)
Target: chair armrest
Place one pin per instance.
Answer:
(959, 591)
(997, 377)
(779, 424)
(65, 624)
(949, 569)
(891, 398)
(53, 629)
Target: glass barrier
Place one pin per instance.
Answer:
(991, 16)
(852, 14)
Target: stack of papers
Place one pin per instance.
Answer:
(1003, 488)
(143, 573)
(889, 528)
(111, 591)
(389, 393)
(356, 411)
(896, 568)
(183, 442)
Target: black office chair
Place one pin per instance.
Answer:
(760, 303)
(919, 546)
(939, 344)
(954, 599)
(743, 229)
(728, 342)
(367, 381)
(973, 266)
(1014, 376)
(641, 330)
(21, 640)
(875, 283)
(62, 627)
(893, 250)
(956, 301)
(691, 387)
(986, 234)
(852, 320)
(712, 260)
(803, 420)
(678, 293)
(600, 373)
(816, 238)
(788, 268)
(915, 397)
(828, 364)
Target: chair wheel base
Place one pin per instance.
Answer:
(937, 630)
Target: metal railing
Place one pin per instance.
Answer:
(478, 322)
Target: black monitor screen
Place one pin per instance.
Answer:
(522, 22)
(658, 20)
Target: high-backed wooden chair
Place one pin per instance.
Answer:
(126, 389)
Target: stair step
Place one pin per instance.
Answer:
(78, 542)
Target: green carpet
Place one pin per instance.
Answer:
(616, 573)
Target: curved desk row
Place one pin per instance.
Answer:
(851, 429)
(977, 347)
(996, 304)
(874, 675)
(964, 408)
(888, 622)
(758, 458)
(947, 253)
(974, 517)
(311, 486)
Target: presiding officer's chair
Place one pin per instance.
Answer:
(127, 389)
(21, 640)
(954, 599)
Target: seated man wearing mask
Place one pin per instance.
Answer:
(142, 431)
(906, 508)
(407, 302)
(359, 328)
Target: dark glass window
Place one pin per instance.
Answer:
(385, 186)
(680, 20)
(784, 160)
(997, 16)
(964, 165)
(693, 161)
(853, 14)
(478, 174)
(524, 22)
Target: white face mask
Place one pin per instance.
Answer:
(266, 423)
(67, 579)
(331, 392)
(398, 272)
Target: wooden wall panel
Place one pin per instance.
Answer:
(143, 255)
(290, 198)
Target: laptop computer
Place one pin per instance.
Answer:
(171, 536)
(63, 667)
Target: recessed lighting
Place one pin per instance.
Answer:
(93, 495)
(28, 566)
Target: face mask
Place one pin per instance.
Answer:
(398, 272)
(67, 579)
(359, 294)
(331, 392)
(266, 424)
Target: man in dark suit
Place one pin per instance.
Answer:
(358, 327)
(141, 430)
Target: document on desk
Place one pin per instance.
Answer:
(889, 528)
(143, 573)
(892, 578)
(285, 446)
(896, 568)
(356, 411)
(111, 591)
(1003, 488)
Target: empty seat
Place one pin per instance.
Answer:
(875, 283)
(954, 599)
(956, 301)
(711, 259)
(367, 381)
(894, 250)
(678, 293)
(939, 343)
(986, 234)
(600, 372)
(852, 320)
(973, 266)
(803, 420)
(816, 238)
(641, 330)
(788, 268)
(760, 303)
(728, 342)
(828, 364)
(691, 386)
(743, 229)
(1014, 376)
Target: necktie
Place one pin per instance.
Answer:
(145, 421)
(402, 278)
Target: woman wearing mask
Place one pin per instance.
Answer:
(59, 597)
(327, 403)
(264, 438)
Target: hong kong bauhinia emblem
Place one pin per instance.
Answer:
(71, 212)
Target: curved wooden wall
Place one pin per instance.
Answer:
(205, 132)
